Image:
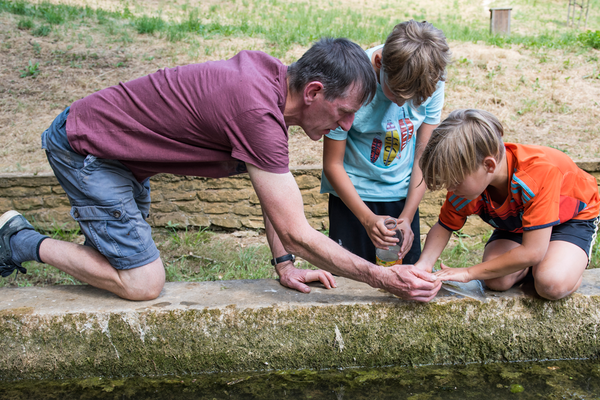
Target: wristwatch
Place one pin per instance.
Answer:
(281, 259)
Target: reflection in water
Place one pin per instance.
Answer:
(531, 380)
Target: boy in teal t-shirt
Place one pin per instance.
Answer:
(370, 171)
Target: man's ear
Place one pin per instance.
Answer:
(311, 91)
(490, 164)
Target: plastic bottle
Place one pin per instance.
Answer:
(387, 258)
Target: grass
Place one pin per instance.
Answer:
(285, 24)
(193, 255)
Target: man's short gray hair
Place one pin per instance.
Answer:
(338, 64)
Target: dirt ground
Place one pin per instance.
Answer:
(547, 97)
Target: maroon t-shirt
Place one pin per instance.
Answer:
(197, 119)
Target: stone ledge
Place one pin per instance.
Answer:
(80, 331)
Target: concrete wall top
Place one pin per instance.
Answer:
(80, 331)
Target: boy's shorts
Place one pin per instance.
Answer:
(109, 204)
(346, 229)
(582, 233)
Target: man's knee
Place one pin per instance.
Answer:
(143, 283)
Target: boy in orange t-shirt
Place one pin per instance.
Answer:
(543, 207)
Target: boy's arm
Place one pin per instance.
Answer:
(531, 252)
(416, 188)
(333, 167)
(437, 239)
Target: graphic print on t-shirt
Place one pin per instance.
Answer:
(392, 143)
(375, 149)
(396, 139)
(407, 130)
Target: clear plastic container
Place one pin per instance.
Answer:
(387, 258)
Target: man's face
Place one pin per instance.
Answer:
(323, 116)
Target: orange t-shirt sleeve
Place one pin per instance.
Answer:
(452, 214)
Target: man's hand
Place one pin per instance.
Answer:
(295, 278)
(409, 282)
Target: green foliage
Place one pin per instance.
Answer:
(61, 232)
(30, 70)
(595, 256)
(25, 24)
(42, 30)
(149, 25)
(589, 38)
(288, 24)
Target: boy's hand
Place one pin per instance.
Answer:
(424, 266)
(453, 274)
(381, 236)
(408, 236)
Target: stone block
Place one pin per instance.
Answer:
(246, 210)
(589, 166)
(21, 191)
(225, 195)
(319, 224)
(234, 182)
(176, 194)
(190, 206)
(252, 223)
(166, 219)
(27, 180)
(5, 204)
(163, 207)
(226, 221)
(58, 190)
(307, 181)
(476, 226)
(217, 208)
(316, 211)
(313, 196)
(156, 196)
(199, 220)
(55, 201)
(48, 219)
(254, 199)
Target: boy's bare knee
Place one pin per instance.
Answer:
(552, 290)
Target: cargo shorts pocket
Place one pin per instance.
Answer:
(110, 230)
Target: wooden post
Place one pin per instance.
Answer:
(583, 5)
(500, 21)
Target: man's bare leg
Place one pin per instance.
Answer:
(89, 266)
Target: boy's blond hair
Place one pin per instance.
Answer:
(414, 58)
(458, 147)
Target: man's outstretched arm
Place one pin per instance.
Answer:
(289, 275)
(281, 202)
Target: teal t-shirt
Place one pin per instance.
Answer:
(380, 145)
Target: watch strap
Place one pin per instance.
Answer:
(279, 260)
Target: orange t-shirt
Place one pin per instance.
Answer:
(546, 188)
